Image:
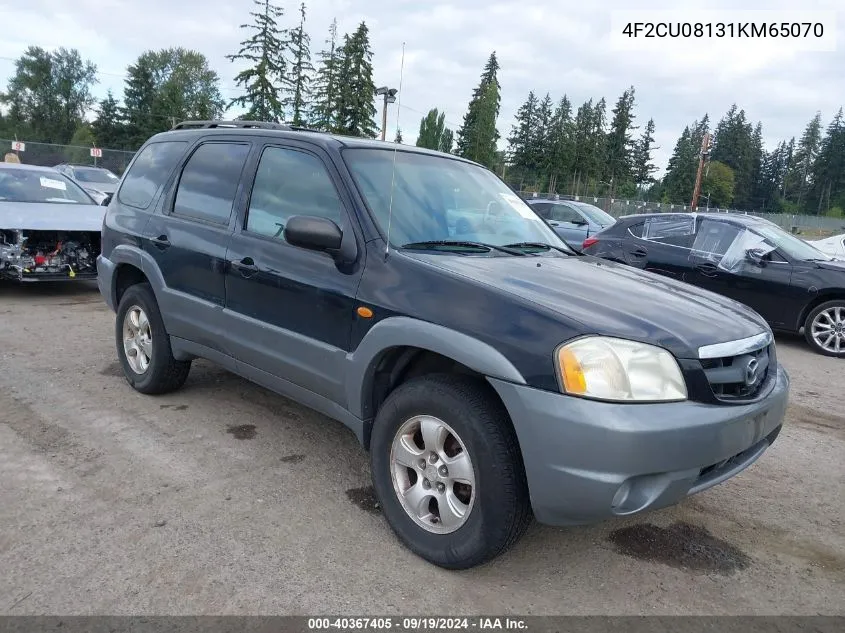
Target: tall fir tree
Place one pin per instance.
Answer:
(679, 181)
(801, 167)
(478, 135)
(139, 95)
(643, 150)
(356, 91)
(323, 114)
(108, 127)
(521, 151)
(620, 144)
(543, 140)
(828, 174)
(560, 140)
(264, 80)
(300, 71)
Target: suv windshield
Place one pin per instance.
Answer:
(32, 185)
(793, 246)
(94, 174)
(435, 198)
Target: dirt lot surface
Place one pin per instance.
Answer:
(224, 498)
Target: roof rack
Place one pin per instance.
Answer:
(263, 125)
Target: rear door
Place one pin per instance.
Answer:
(661, 245)
(289, 311)
(189, 238)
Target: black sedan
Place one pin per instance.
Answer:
(790, 283)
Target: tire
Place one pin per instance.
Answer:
(830, 313)
(162, 373)
(497, 512)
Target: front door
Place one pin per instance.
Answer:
(289, 311)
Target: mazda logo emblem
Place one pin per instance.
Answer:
(751, 372)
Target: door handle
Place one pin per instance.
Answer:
(246, 266)
(708, 270)
(161, 241)
(639, 252)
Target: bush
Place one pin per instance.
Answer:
(835, 212)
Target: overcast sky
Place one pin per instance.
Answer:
(555, 46)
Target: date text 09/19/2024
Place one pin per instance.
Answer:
(415, 623)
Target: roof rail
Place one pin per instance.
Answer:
(263, 125)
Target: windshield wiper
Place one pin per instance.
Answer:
(462, 243)
(542, 245)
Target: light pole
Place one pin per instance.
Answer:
(389, 95)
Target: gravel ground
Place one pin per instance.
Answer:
(224, 498)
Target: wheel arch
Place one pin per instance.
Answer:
(822, 297)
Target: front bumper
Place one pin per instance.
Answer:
(587, 461)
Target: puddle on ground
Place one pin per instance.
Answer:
(292, 459)
(364, 498)
(242, 432)
(681, 545)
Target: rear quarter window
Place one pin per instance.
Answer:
(149, 171)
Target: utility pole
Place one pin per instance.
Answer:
(389, 97)
(702, 158)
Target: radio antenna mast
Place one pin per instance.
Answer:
(395, 149)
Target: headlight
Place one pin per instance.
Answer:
(616, 369)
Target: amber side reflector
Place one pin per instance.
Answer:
(365, 312)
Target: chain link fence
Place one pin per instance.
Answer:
(805, 225)
(50, 155)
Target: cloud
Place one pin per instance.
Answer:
(554, 46)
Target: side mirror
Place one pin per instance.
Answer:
(313, 233)
(580, 222)
(107, 200)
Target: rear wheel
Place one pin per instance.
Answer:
(448, 472)
(824, 328)
(143, 345)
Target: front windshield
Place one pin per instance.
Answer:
(595, 214)
(793, 246)
(435, 198)
(91, 174)
(32, 185)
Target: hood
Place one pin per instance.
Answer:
(614, 299)
(837, 265)
(51, 216)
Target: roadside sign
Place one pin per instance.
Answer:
(18, 146)
(96, 152)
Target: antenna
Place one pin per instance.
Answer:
(395, 149)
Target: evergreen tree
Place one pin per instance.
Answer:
(325, 86)
(139, 95)
(560, 144)
(264, 79)
(828, 174)
(597, 164)
(521, 142)
(478, 135)
(301, 71)
(735, 143)
(447, 140)
(433, 131)
(108, 127)
(679, 181)
(801, 167)
(356, 90)
(398, 138)
(542, 142)
(582, 148)
(619, 142)
(643, 167)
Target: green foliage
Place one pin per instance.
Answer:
(301, 71)
(643, 149)
(108, 127)
(679, 181)
(828, 172)
(433, 132)
(478, 135)
(81, 143)
(719, 184)
(835, 212)
(354, 103)
(49, 94)
(264, 78)
(167, 86)
(619, 142)
(322, 114)
(398, 138)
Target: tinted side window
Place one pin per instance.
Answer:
(288, 183)
(636, 229)
(209, 182)
(149, 172)
(677, 230)
(542, 209)
(564, 213)
(713, 239)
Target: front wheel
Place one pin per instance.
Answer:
(824, 328)
(448, 472)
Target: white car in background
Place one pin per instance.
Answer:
(833, 246)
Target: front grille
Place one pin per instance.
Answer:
(731, 377)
